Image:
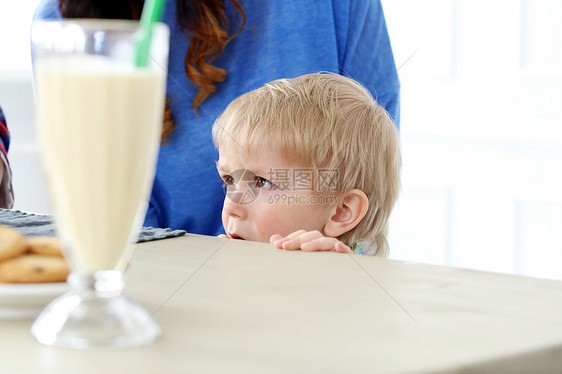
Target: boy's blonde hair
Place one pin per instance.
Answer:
(325, 121)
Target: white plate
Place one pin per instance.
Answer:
(22, 301)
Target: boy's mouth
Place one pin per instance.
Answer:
(236, 236)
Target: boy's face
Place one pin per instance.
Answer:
(266, 195)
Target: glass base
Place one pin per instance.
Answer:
(95, 314)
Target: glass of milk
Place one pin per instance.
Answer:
(99, 121)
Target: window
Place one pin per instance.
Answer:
(481, 134)
(15, 23)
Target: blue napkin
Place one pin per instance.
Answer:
(42, 225)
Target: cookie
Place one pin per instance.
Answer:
(12, 243)
(34, 269)
(44, 245)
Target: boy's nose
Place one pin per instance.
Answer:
(234, 209)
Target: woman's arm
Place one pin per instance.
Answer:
(365, 53)
(6, 193)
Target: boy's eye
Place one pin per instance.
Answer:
(263, 183)
(228, 180)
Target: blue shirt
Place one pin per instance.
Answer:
(281, 39)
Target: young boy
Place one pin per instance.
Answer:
(310, 163)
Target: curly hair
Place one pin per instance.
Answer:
(204, 21)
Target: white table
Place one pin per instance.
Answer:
(228, 306)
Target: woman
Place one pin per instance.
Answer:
(222, 49)
(6, 194)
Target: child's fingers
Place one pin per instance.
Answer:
(280, 241)
(308, 241)
(274, 238)
(342, 248)
(277, 241)
(326, 244)
(323, 244)
(222, 236)
(296, 242)
(295, 234)
(319, 244)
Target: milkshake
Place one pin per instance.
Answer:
(99, 128)
(99, 120)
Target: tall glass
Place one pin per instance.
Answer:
(99, 120)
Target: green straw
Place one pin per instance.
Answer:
(151, 13)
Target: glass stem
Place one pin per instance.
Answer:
(103, 284)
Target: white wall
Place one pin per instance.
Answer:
(481, 130)
(16, 99)
(481, 134)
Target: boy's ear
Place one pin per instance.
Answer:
(347, 214)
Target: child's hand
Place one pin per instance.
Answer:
(222, 236)
(309, 241)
